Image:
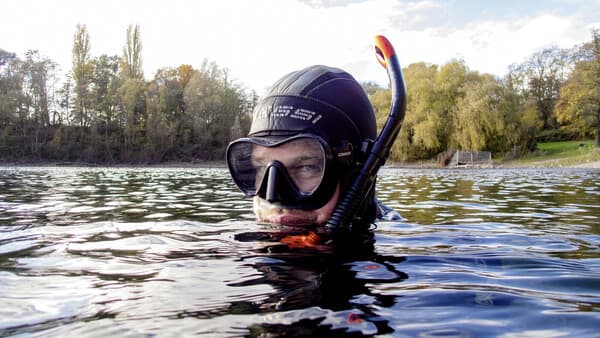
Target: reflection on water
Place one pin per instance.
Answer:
(64, 196)
(98, 252)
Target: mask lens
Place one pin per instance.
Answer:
(303, 159)
(243, 171)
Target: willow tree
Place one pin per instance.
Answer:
(419, 137)
(476, 120)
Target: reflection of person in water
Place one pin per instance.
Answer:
(327, 278)
(306, 145)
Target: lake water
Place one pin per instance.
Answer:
(92, 252)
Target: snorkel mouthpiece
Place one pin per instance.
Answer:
(346, 209)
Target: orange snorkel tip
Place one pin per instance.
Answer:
(383, 50)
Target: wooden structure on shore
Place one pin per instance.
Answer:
(468, 158)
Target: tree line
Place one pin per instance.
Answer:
(553, 95)
(104, 111)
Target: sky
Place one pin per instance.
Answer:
(259, 41)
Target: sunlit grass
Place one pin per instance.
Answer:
(567, 153)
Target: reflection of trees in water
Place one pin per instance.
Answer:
(325, 277)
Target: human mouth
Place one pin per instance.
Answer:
(293, 220)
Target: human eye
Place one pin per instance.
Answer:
(308, 169)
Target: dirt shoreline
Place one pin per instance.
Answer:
(595, 164)
(553, 164)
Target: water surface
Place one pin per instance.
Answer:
(169, 252)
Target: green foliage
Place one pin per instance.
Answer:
(542, 76)
(12, 96)
(82, 77)
(213, 106)
(477, 120)
(556, 135)
(106, 112)
(578, 109)
(131, 62)
(452, 107)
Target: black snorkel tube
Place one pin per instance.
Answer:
(346, 209)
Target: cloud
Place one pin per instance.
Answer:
(329, 3)
(491, 46)
(259, 41)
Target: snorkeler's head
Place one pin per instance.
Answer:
(321, 100)
(323, 120)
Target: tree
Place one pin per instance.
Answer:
(213, 103)
(40, 79)
(542, 75)
(131, 63)
(578, 107)
(82, 77)
(12, 101)
(132, 105)
(64, 100)
(104, 129)
(131, 94)
(202, 96)
(165, 108)
(453, 107)
(477, 120)
(520, 123)
(418, 137)
(451, 84)
(11, 80)
(5, 57)
(184, 74)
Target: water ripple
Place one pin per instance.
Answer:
(175, 252)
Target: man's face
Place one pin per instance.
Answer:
(303, 162)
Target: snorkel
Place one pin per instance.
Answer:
(346, 209)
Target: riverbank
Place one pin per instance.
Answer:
(197, 164)
(595, 164)
(551, 164)
(502, 165)
(568, 154)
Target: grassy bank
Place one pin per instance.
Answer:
(558, 154)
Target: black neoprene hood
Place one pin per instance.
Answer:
(320, 100)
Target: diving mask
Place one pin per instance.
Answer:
(297, 172)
